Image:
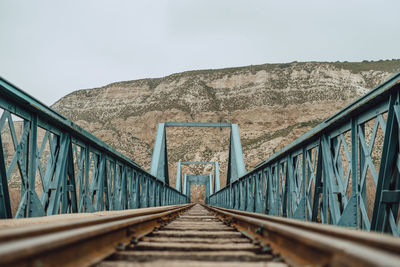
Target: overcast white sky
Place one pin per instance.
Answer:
(50, 48)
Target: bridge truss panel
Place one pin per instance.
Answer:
(159, 161)
(191, 179)
(344, 172)
(49, 165)
(216, 181)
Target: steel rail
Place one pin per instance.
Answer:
(312, 244)
(83, 242)
(9, 234)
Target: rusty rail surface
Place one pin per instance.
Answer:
(82, 242)
(195, 238)
(305, 243)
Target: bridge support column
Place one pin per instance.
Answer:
(178, 185)
(185, 184)
(210, 185)
(159, 161)
(236, 167)
(217, 182)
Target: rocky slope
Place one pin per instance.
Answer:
(272, 103)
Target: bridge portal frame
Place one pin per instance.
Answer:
(159, 161)
(203, 179)
(216, 184)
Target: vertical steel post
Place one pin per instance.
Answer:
(179, 177)
(387, 197)
(217, 182)
(159, 160)
(5, 205)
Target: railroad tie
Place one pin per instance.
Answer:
(195, 238)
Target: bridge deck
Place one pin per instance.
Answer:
(189, 235)
(195, 238)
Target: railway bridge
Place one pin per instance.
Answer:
(330, 198)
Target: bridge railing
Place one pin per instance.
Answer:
(345, 171)
(49, 165)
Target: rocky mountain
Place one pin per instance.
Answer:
(272, 103)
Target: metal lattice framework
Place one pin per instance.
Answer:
(344, 172)
(159, 161)
(216, 182)
(53, 166)
(191, 179)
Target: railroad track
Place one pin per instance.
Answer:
(312, 244)
(81, 242)
(193, 235)
(196, 238)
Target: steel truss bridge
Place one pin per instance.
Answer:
(344, 172)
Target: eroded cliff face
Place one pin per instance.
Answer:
(272, 103)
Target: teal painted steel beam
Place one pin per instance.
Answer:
(5, 204)
(204, 179)
(322, 176)
(197, 124)
(178, 185)
(386, 208)
(217, 183)
(185, 185)
(362, 105)
(196, 162)
(236, 167)
(159, 160)
(20, 103)
(78, 172)
(210, 185)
